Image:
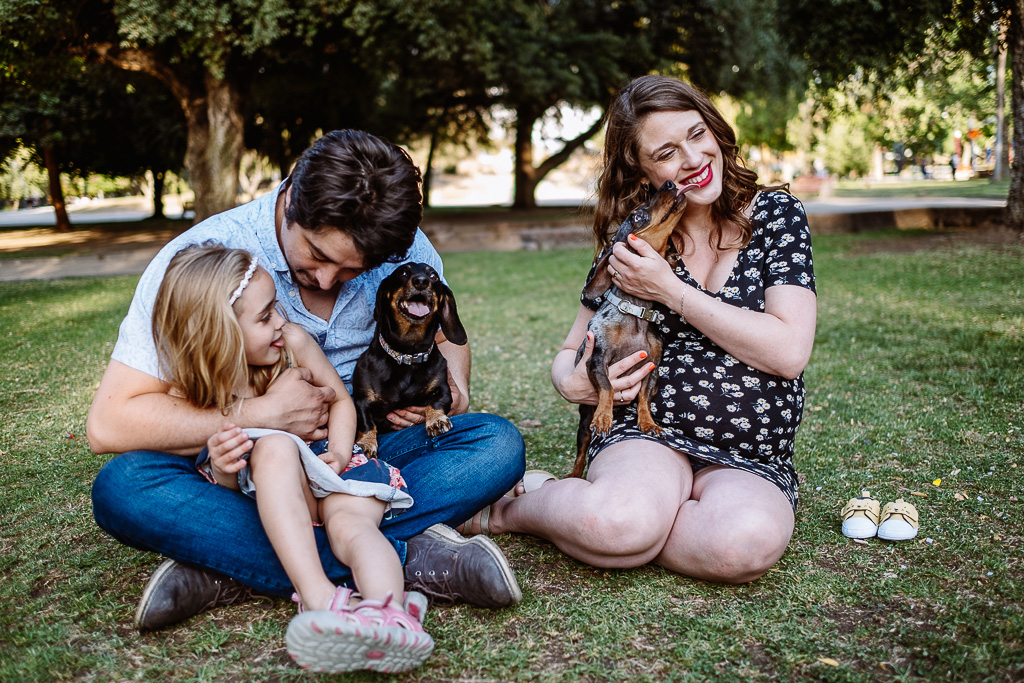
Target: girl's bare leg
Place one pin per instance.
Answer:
(287, 509)
(352, 525)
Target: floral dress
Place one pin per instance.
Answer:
(713, 407)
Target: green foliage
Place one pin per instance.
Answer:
(20, 178)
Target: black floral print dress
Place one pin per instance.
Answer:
(714, 408)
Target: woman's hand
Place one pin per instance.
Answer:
(644, 273)
(226, 450)
(574, 384)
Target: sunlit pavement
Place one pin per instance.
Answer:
(482, 191)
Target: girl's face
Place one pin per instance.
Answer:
(679, 146)
(260, 321)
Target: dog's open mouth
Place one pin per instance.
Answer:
(416, 308)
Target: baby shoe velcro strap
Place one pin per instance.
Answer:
(861, 507)
(903, 509)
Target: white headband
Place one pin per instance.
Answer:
(245, 281)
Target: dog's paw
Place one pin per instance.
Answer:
(601, 425)
(439, 425)
(649, 428)
(369, 447)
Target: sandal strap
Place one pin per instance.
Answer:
(338, 603)
(484, 520)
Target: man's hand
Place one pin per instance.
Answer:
(414, 415)
(226, 450)
(294, 404)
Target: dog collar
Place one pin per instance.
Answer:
(405, 358)
(651, 315)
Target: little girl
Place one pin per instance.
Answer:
(220, 340)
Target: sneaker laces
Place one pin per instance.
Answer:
(442, 595)
(231, 592)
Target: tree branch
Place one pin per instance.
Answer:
(146, 61)
(571, 146)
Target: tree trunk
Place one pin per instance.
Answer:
(56, 191)
(158, 194)
(528, 176)
(214, 150)
(1014, 215)
(213, 112)
(525, 174)
(428, 172)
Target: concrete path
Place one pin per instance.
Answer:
(828, 215)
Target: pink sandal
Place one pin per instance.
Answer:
(372, 635)
(339, 602)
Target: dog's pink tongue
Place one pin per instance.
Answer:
(417, 309)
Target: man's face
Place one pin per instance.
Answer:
(322, 259)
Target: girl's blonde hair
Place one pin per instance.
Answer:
(196, 331)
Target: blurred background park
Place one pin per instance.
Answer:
(196, 105)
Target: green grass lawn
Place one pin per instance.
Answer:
(976, 188)
(916, 377)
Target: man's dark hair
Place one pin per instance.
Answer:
(362, 185)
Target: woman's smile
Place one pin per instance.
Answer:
(701, 178)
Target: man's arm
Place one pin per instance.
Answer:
(459, 365)
(134, 411)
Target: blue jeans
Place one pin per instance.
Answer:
(159, 502)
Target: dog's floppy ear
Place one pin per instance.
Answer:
(382, 313)
(451, 325)
(601, 280)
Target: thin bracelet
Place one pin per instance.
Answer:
(682, 297)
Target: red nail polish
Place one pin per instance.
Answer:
(643, 354)
(632, 238)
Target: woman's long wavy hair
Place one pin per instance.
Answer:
(622, 186)
(196, 331)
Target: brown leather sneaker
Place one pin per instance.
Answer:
(448, 568)
(177, 591)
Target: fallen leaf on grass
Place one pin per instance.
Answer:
(828, 661)
(996, 537)
(955, 472)
(937, 482)
(960, 496)
(859, 540)
(919, 495)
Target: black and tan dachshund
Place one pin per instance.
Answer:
(623, 323)
(402, 366)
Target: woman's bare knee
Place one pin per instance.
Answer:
(623, 526)
(746, 548)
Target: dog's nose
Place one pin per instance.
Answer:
(420, 281)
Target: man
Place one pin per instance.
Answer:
(328, 235)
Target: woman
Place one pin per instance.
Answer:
(712, 497)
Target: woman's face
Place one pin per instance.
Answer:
(679, 146)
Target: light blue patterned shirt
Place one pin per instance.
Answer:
(252, 227)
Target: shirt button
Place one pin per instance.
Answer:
(293, 294)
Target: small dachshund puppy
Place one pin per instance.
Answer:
(623, 324)
(402, 366)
